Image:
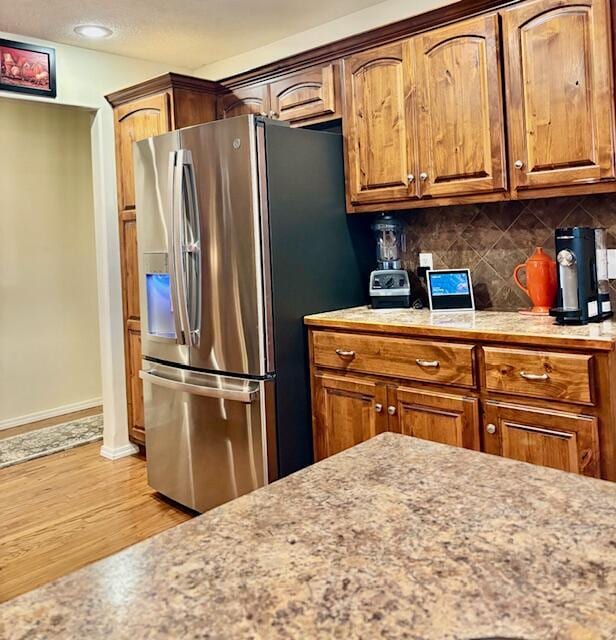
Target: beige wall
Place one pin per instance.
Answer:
(358, 22)
(49, 342)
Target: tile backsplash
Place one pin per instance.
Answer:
(491, 239)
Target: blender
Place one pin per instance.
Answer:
(390, 287)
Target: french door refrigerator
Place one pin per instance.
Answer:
(241, 231)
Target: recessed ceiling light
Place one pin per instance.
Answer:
(92, 31)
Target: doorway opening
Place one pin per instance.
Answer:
(50, 369)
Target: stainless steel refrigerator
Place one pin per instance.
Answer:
(242, 230)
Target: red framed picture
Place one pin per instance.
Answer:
(27, 68)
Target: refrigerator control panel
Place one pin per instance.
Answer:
(156, 262)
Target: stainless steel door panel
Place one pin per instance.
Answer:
(204, 435)
(224, 165)
(155, 160)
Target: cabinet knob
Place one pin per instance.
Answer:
(518, 164)
(378, 407)
(391, 410)
(423, 176)
(491, 428)
(410, 178)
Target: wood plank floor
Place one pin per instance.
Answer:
(69, 509)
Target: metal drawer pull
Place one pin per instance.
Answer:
(345, 354)
(391, 410)
(378, 407)
(491, 428)
(428, 363)
(534, 376)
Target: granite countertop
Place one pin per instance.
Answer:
(394, 538)
(514, 326)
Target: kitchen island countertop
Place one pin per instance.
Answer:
(394, 538)
(475, 325)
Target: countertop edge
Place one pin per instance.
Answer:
(423, 331)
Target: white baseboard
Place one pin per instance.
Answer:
(50, 413)
(119, 452)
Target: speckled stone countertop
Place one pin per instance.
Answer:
(395, 538)
(497, 325)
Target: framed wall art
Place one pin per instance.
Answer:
(27, 68)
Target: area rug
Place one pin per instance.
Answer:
(42, 442)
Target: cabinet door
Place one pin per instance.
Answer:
(136, 422)
(347, 411)
(244, 101)
(540, 436)
(378, 124)
(130, 270)
(133, 122)
(308, 96)
(559, 92)
(433, 415)
(461, 121)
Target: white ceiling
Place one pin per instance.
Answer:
(188, 33)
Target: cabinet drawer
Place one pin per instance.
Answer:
(400, 357)
(539, 374)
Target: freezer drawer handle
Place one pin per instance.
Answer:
(210, 392)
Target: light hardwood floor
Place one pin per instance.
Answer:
(69, 509)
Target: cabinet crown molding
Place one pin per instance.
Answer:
(161, 83)
(386, 34)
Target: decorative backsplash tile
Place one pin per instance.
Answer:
(491, 239)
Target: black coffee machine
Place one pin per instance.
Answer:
(583, 292)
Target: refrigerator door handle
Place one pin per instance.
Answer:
(179, 332)
(247, 397)
(191, 248)
(177, 215)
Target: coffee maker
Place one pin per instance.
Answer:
(390, 287)
(581, 256)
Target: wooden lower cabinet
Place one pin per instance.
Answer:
(545, 437)
(434, 415)
(346, 411)
(563, 418)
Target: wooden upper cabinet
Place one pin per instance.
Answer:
(244, 101)
(133, 122)
(437, 416)
(559, 92)
(379, 136)
(542, 436)
(460, 111)
(346, 411)
(307, 97)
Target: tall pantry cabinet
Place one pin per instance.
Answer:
(169, 102)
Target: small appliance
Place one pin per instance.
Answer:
(577, 299)
(390, 287)
(450, 290)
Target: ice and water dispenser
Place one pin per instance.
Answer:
(160, 322)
